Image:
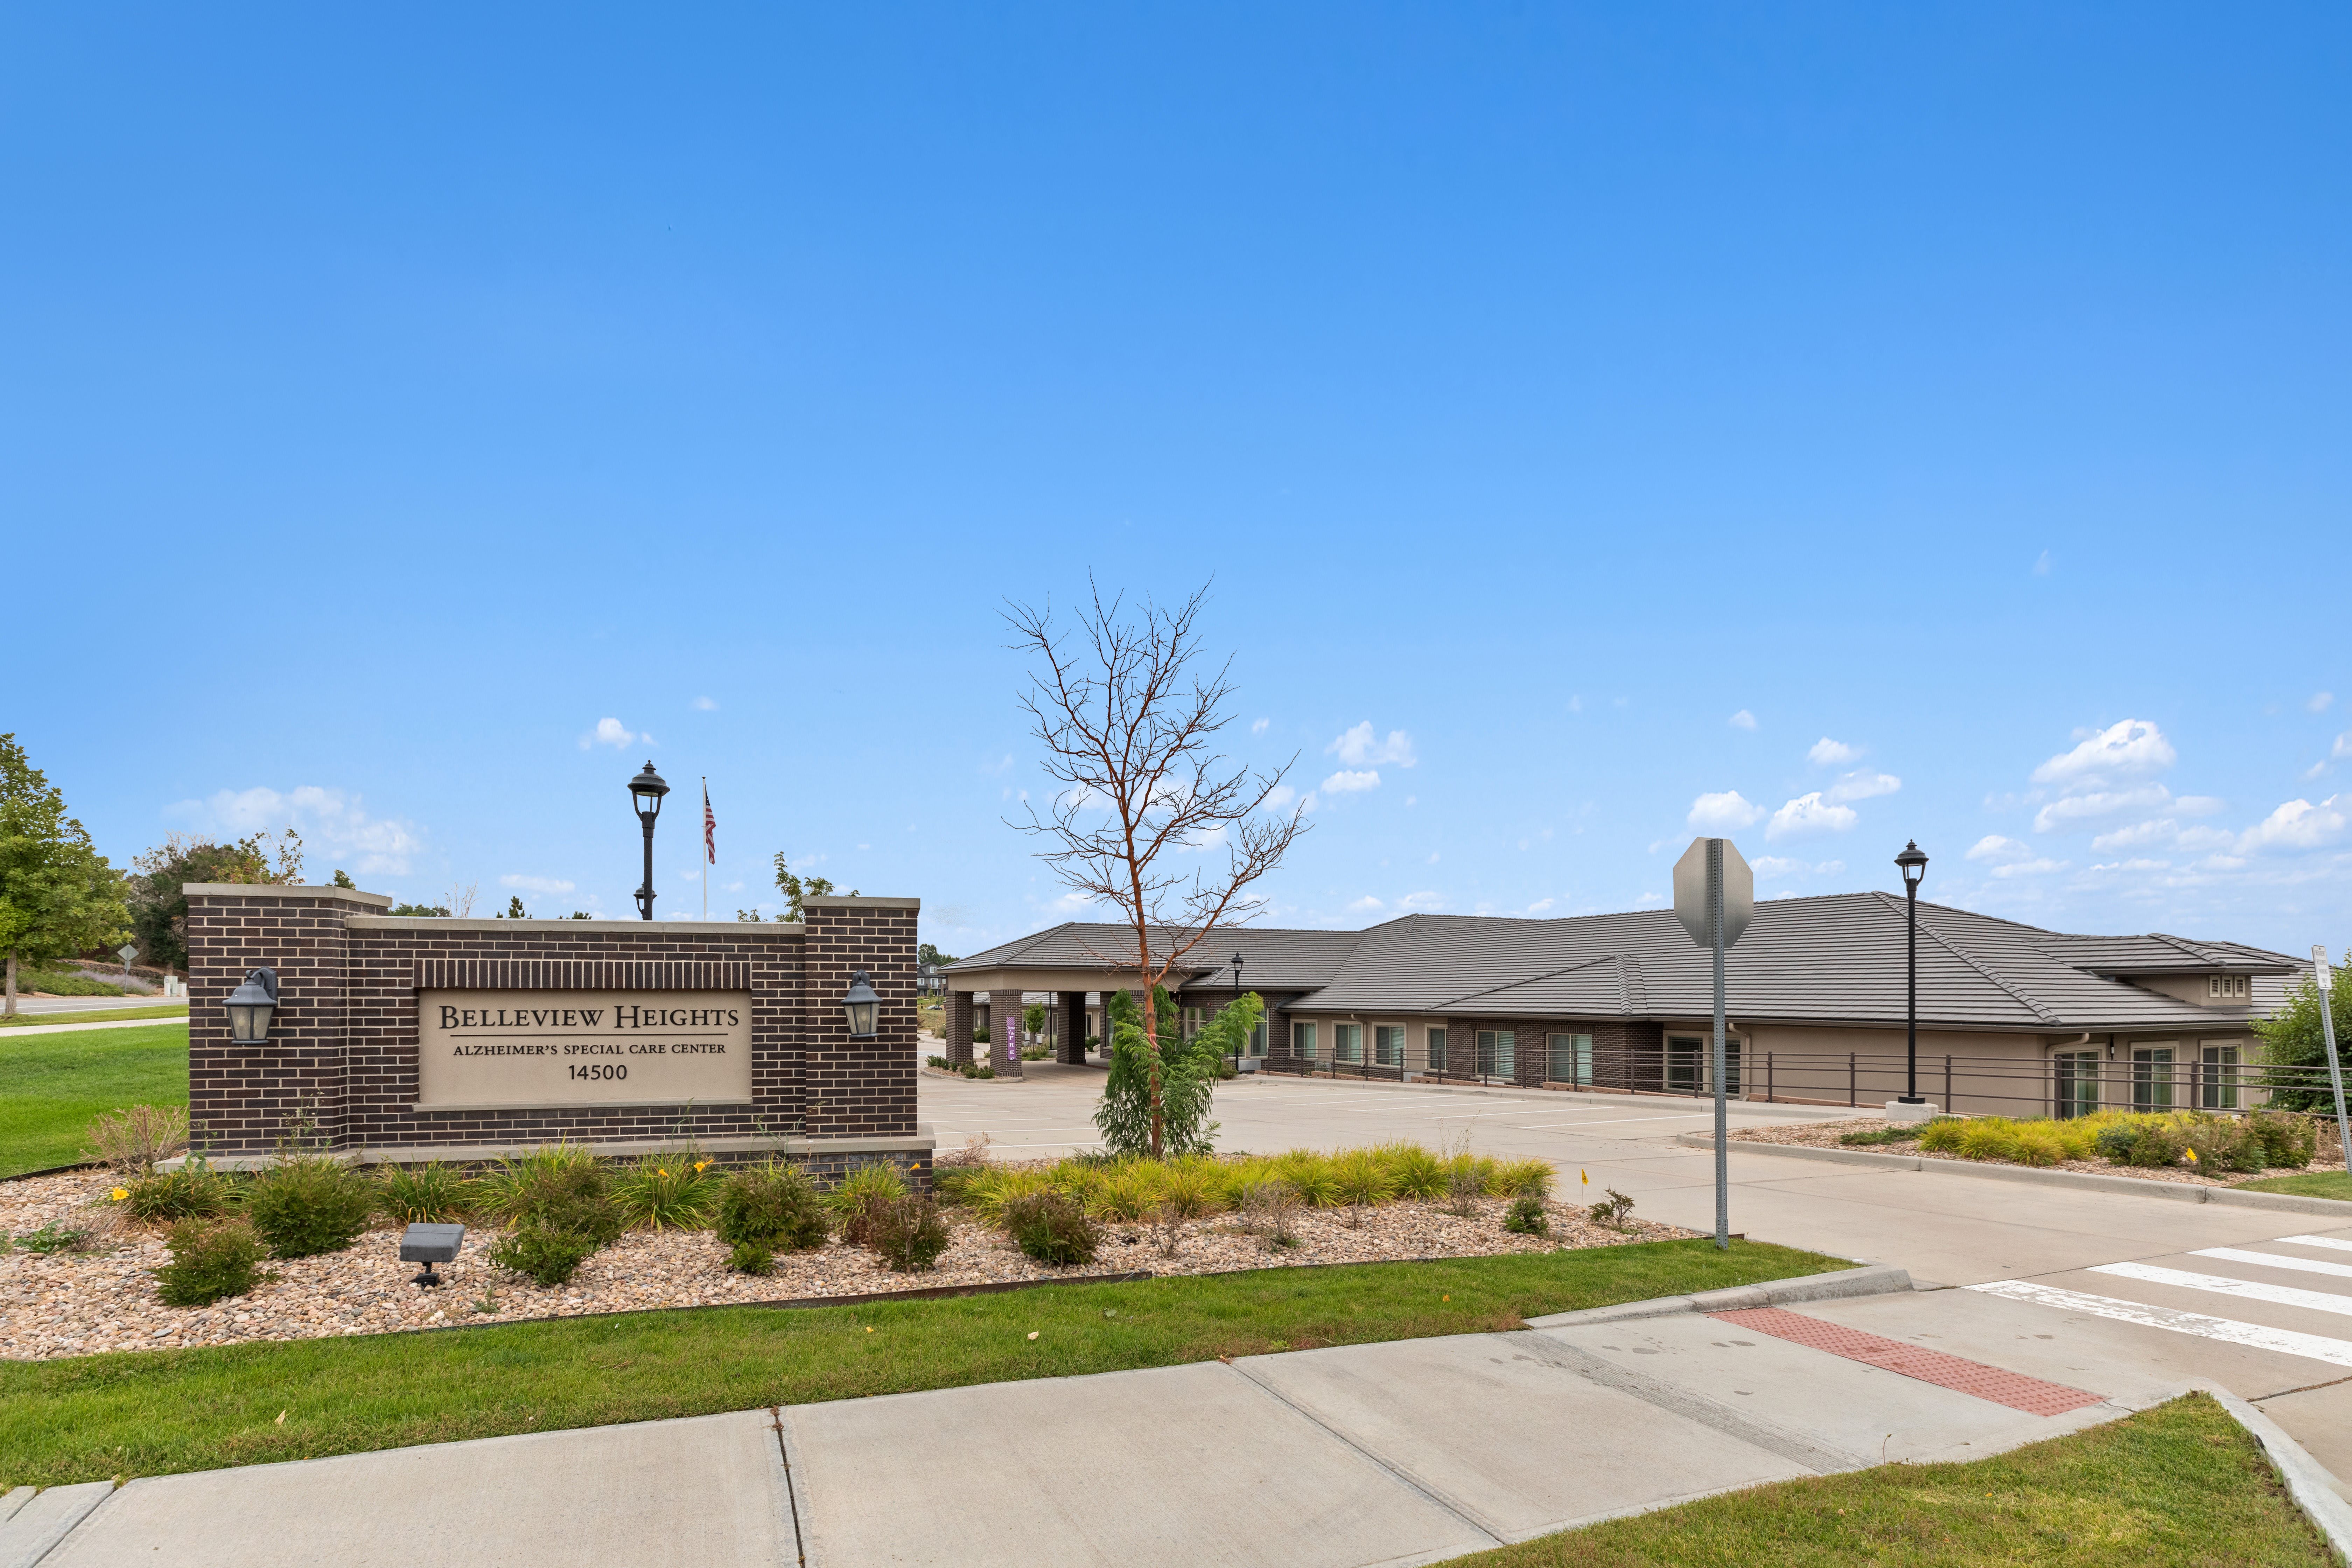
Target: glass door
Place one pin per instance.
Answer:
(2077, 1085)
(2151, 1077)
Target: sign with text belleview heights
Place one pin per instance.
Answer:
(515, 1049)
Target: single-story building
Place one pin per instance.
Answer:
(2012, 1018)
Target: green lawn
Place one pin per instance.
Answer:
(97, 1016)
(51, 1085)
(155, 1412)
(2182, 1484)
(2308, 1184)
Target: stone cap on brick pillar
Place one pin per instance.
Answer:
(858, 901)
(285, 891)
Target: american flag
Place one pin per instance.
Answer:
(710, 829)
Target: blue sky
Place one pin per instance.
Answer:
(1828, 425)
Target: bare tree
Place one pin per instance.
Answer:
(1127, 722)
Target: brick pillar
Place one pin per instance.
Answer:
(859, 1088)
(1004, 1033)
(958, 1026)
(247, 1099)
(1074, 1027)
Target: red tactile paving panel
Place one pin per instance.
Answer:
(2030, 1395)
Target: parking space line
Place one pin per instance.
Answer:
(2227, 1330)
(2249, 1290)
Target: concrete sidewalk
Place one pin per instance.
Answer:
(1408, 1452)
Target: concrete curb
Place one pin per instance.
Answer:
(2308, 1480)
(2169, 1192)
(1871, 1280)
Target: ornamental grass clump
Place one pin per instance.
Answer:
(1363, 1181)
(666, 1192)
(306, 1205)
(769, 1208)
(859, 1202)
(211, 1259)
(560, 1201)
(130, 1141)
(426, 1194)
(193, 1192)
(1521, 1178)
(1051, 1228)
(1415, 1172)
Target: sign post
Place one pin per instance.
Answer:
(2327, 1028)
(1715, 898)
(127, 952)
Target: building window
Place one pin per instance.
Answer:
(2227, 987)
(1302, 1041)
(1498, 1053)
(1193, 1020)
(1570, 1057)
(1257, 1038)
(2217, 1088)
(1347, 1042)
(2151, 1077)
(1388, 1045)
(1686, 1060)
(1437, 1050)
(2077, 1083)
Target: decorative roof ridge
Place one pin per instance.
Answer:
(1528, 980)
(2030, 1003)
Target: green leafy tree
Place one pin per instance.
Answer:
(434, 912)
(795, 887)
(159, 910)
(2292, 1038)
(1185, 1071)
(343, 879)
(58, 894)
(927, 954)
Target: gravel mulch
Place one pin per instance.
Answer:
(1826, 1135)
(67, 1304)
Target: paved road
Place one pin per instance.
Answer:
(2260, 1302)
(40, 1004)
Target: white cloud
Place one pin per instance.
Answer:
(1357, 747)
(1829, 753)
(1723, 812)
(2129, 748)
(1540, 906)
(1424, 899)
(1809, 813)
(1432, 858)
(2041, 565)
(1781, 867)
(2297, 824)
(1346, 783)
(2198, 805)
(2343, 747)
(1371, 905)
(2075, 809)
(2321, 701)
(2164, 830)
(535, 884)
(704, 705)
(613, 732)
(1863, 786)
(2036, 868)
(332, 826)
(1743, 720)
(1993, 846)
(1279, 796)
(1259, 727)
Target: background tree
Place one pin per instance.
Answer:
(1126, 719)
(343, 879)
(515, 910)
(926, 954)
(58, 894)
(159, 910)
(795, 889)
(2292, 1038)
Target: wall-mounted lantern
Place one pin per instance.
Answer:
(251, 1005)
(862, 1006)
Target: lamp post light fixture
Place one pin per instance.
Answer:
(1240, 1044)
(646, 792)
(251, 1005)
(1914, 866)
(862, 1007)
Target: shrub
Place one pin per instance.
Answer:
(561, 1188)
(410, 1195)
(2160, 1143)
(192, 1192)
(2287, 1140)
(132, 1139)
(857, 1203)
(940, 1062)
(210, 1260)
(2115, 1141)
(1526, 1216)
(1880, 1135)
(1465, 1185)
(752, 1257)
(994, 1191)
(2039, 1143)
(1613, 1211)
(667, 1191)
(1941, 1136)
(1051, 1228)
(1270, 1208)
(1127, 1193)
(1415, 1171)
(62, 982)
(774, 1206)
(1523, 1178)
(308, 1203)
(1988, 1138)
(909, 1234)
(1311, 1176)
(543, 1252)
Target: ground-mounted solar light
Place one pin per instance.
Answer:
(250, 1007)
(862, 1007)
(429, 1244)
(646, 792)
(1913, 863)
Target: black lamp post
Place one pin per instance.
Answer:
(861, 1006)
(1240, 1044)
(1914, 866)
(646, 792)
(251, 1005)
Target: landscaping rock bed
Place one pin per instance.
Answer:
(1827, 1135)
(104, 1299)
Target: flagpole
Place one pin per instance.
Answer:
(706, 849)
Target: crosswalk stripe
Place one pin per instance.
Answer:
(2249, 1290)
(2229, 1330)
(2336, 1243)
(2273, 1260)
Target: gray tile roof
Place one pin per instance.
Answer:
(1831, 960)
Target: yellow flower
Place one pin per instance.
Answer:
(120, 1192)
(659, 1172)
(702, 1164)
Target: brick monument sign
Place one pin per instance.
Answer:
(402, 1038)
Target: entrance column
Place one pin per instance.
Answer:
(1004, 1011)
(958, 1026)
(1074, 1027)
